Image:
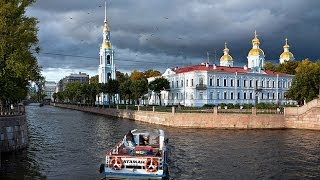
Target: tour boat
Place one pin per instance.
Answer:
(140, 154)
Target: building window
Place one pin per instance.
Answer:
(200, 80)
(177, 84)
(262, 83)
(257, 83)
(181, 96)
(250, 83)
(181, 83)
(191, 82)
(187, 83)
(268, 96)
(108, 59)
(224, 82)
(284, 84)
(273, 84)
(172, 84)
(109, 76)
(191, 96)
(238, 83)
(225, 95)
(210, 82)
(238, 95)
(244, 95)
(250, 96)
(231, 82)
(279, 97)
(279, 84)
(268, 84)
(218, 95)
(218, 82)
(272, 95)
(244, 83)
(172, 96)
(201, 95)
(231, 95)
(211, 95)
(261, 95)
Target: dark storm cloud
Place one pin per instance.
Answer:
(173, 32)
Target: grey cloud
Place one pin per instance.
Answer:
(179, 30)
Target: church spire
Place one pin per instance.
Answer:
(106, 44)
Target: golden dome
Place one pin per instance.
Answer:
(256, 52)
(226, 58)
(287, 56)
(106, 45)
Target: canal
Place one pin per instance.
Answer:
(67, 144)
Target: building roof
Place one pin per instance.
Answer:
(206, 67)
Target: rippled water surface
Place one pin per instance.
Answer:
(67, 144)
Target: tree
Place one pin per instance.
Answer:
(151, 73)
(270, 66)
(158, 85)
(73, 91)
(305, 84)
(139, 88)
(136, 75)
(18, 36)
(94, 79)
(54, 96)
(112, 88)
(126, 90)
(288, 67)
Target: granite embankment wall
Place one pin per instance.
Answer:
(192, 120)
(304, 117)
(13, 133)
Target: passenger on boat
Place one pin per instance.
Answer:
(145, 140)
(130, 139)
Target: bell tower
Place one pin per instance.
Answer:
(106, 70)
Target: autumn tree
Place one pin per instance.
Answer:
(151, 73)
(18, 36)
(306, 82)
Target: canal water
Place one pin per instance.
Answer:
(67, 144)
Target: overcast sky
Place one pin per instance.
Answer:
(159, 34)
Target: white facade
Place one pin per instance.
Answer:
(49, 89)
(202, 84)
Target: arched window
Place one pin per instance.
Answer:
(201, 81)
(109, 76)
(108, 59)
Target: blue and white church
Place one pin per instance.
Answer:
(107, 69)
(205, 83)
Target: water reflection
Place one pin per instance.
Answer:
(67, 144)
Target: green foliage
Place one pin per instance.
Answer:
(18, 35)
(94, 79)
(139, 88)
(305, 84)
(288, 67)
(158, 85)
